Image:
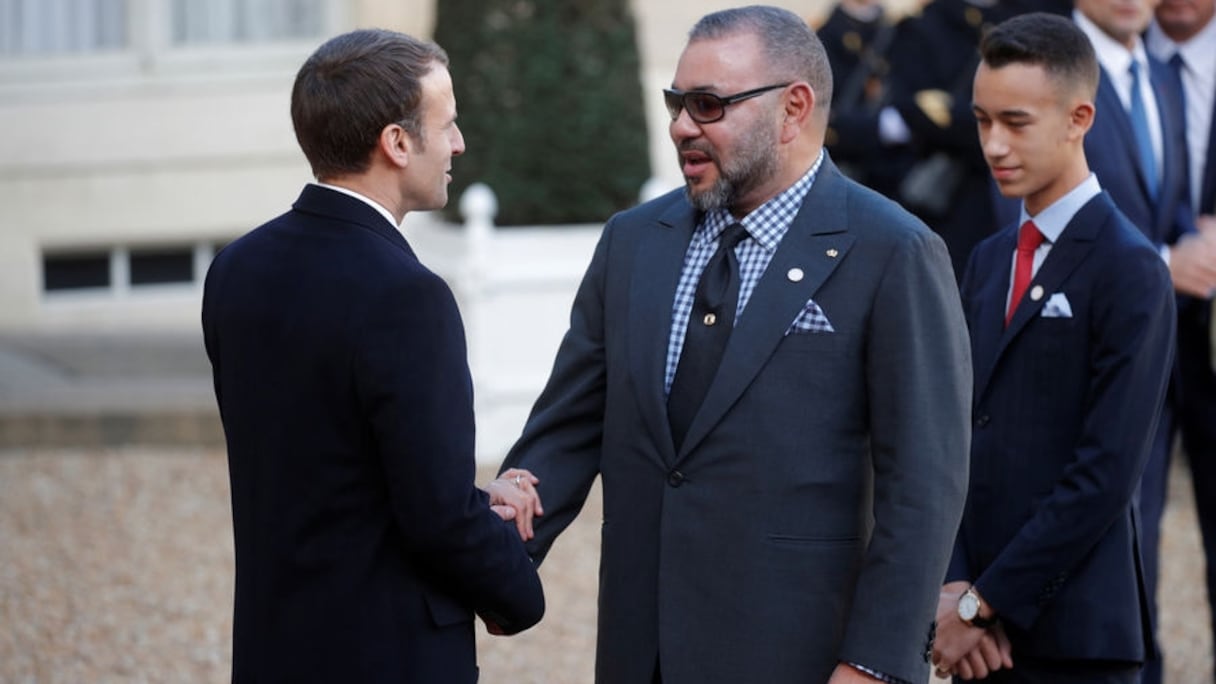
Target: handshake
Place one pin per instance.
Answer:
(513, 496)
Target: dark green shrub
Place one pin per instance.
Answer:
(550, 103)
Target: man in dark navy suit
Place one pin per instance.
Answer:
(1147, 177)
(1183, 36)
(363, 549)
(1071, 315)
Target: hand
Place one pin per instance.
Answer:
(846, 674)
(955, 638)
(993, 653)
(1193, 260)
(513, 496)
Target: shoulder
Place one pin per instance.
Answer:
(876, 218)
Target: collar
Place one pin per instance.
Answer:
(769, 222)
(1112, 55)
(388, 216)
(1197, 52)
(1052, 221)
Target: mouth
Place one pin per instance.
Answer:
(694, 163)
(1003, 173)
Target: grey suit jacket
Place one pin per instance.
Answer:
(809, 516)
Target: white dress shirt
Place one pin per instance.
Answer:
(1116, 61)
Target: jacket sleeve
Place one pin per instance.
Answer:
(562, 436)
(414, 385)
(919, 383)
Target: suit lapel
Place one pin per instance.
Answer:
(660, 258)
(1075, 244)
(817, 242)
(1110, 105)
(989, 325)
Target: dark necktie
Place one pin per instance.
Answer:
(1029, 239)
(1144, 142)
(709, 328)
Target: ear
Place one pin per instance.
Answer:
(800, 104)
(395, 144)
(1081, 118)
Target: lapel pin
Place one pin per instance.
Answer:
(795, 275)
(1036, 293)
(833, 253)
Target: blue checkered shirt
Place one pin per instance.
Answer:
(766, 226)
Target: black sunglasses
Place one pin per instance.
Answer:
(704, 107)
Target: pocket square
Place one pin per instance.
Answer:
(810, 320)
(1057, 307)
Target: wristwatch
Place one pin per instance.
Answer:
(969, 610)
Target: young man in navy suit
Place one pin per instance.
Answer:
(1071, 315)
(363, 549)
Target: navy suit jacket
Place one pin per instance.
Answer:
(1111, 152)
(808, 515)
(1065, 409)
(362, 546)
(1207, 191)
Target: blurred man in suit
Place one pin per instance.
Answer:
(1137, 148)
(362, 547)
(1183, 36)
(1071, 315)
(768, 369)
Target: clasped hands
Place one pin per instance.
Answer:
(513, 496)
(965, 650)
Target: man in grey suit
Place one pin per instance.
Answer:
(780, 500)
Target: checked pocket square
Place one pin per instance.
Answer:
(810, 320)
(1057, 306)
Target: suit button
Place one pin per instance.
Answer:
(981, 421)
(675, 478)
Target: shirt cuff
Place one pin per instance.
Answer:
(878, 675)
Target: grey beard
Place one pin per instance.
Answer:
(717, 197)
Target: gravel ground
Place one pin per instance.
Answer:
(116, 566)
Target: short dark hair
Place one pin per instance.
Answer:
(352, 87)
(790, 45)
(1047, 40)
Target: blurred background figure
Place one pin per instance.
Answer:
(1183, 36)
(857, 36)
(1137, 149)
(904, 122)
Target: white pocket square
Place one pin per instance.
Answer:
(1057, 307)
(810, 320)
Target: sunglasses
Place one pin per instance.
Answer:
(704, 107)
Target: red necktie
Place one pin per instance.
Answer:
(1029, 239)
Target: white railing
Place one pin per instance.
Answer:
(514, 288)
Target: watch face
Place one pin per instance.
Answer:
(968, 606)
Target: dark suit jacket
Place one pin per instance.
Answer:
(362, 546)
(1111, 152)
(1207, 191)
(809, 514)
(1065, 411)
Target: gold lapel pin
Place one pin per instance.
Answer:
(833, 253)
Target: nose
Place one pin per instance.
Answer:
(683, 127)
(457, 141)
(993, 143)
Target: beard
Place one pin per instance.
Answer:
(754, 163)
